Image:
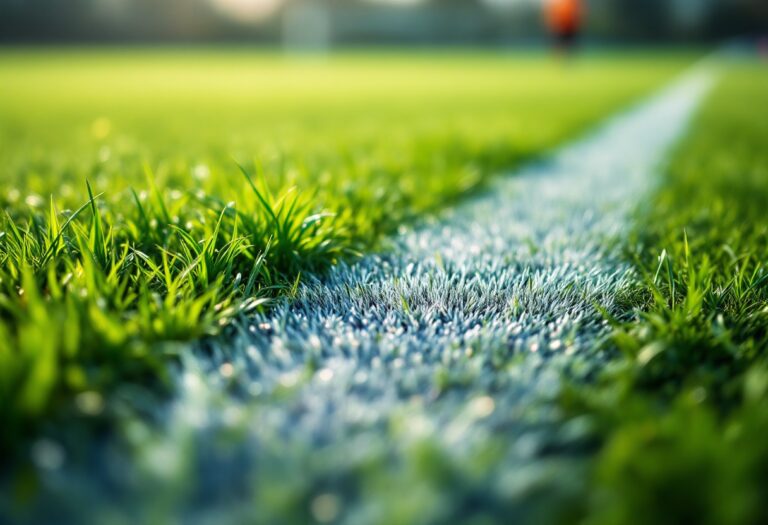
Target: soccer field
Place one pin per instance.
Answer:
(383, 286)
(339, 150)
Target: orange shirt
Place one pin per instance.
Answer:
(563, 15)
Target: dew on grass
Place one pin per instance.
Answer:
(290, 379)
(255, 389)
(325, 375)
(34, 201)
(47, 454)
(105, 153)
(326, 507)
(201, 172)
(227, 370)
(90, 403)
(482, 407)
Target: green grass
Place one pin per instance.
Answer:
(679, 415)
(129, 226)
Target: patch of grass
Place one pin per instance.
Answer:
(680, 413)
(129, 228)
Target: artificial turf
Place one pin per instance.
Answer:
(148, 194)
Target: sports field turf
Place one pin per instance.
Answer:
(149, 200)
(128, 223)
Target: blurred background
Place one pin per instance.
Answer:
(319, 24)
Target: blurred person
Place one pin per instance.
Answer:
(564, 20)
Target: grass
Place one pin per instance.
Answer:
(679, 415)
(149, 195)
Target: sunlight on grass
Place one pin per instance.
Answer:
(129, 226)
